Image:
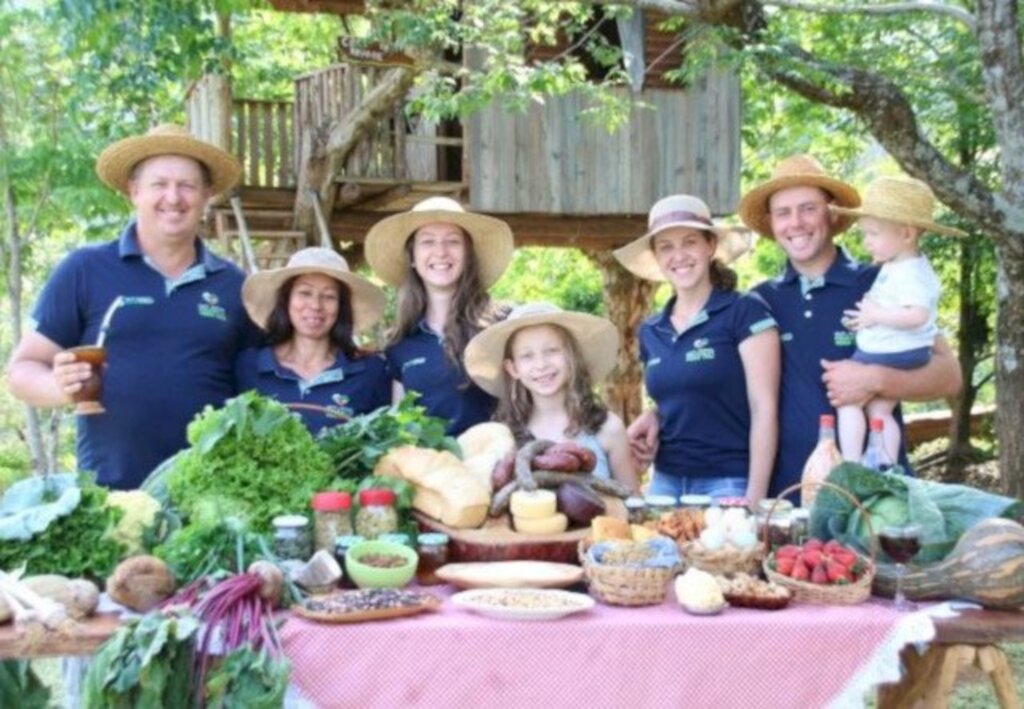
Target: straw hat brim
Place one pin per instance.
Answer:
(385, 243)
(638, 258)
(596, 338)
(894, 215)
(115, 164)
(753, 207)
(259, 294)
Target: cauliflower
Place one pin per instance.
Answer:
(140, 510)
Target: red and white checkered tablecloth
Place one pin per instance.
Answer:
(655, 656)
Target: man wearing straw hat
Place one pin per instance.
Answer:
(170, 356)
(809, 299)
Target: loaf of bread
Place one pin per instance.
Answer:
(445, 489)
(483, 446)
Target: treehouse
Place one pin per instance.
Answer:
(343, 153)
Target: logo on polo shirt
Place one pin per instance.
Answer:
(843, 338)
(700, 352)
(652, 361)
(415, 362)
(210, 307)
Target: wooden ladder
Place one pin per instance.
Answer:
(269, 244)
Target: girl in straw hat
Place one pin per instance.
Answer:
(896, 321)
(711, 358)
(541, 363)
(442, 259)
(311, 310)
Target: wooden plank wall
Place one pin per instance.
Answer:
(551, 160)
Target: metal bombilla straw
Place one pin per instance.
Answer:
(113, 308)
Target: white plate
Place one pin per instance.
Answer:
(485, 602)
(510, 574)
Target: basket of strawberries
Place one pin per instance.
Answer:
(823, 572)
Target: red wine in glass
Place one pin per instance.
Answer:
(900, 549)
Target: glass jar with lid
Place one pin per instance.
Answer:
(657, 505)
(432, 548)
(292, 540)
(396, 537)
(377, 514)
(330, 518)
(341, 545)
(698, 502)
(636, 510)
(799, 525)
(775, 514)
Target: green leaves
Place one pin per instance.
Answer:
(245, 678)
(20, 687)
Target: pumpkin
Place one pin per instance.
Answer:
(986, 566)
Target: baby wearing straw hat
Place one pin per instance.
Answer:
(541, 363)
(895, 322)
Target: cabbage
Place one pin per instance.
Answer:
(943, 511)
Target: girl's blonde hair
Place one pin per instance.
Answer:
(472, 308)
(587, 413)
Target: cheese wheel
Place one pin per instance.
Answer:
(537, 504)
(555, 524)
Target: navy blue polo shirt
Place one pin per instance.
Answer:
(418, 361)
(809, 313)
(697, 380)
(166, 360)
(354, 386)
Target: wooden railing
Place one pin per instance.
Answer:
(263, 138)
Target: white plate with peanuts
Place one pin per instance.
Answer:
(523, 603)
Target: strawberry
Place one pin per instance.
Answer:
(837, 572)
(800, 572)
(832, 546)
(784, 564)
(813, 543)
(819, 575)
(845, 557)
(813, 557)
(789, 550)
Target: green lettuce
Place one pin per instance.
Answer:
(944, 511)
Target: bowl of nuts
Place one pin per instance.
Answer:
(380, 564)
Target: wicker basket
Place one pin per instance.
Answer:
(723, 562)
(842, 595)
(625, 585)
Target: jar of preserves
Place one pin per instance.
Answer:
(657, 505)
(292, 541)
(341, 545)
(330, 518)
(733, 502)
(433, 551)
(397, 537)
(776, 516)
(636, 510)
(377, 514)
(799, 525)
(698, 502)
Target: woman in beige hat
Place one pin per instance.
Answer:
(541, 363)
(711, 358)
(311, 310)
(442, 259)
(896, 321)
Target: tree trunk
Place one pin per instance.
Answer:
(1010, 368)
(628, 300)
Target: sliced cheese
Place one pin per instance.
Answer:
(536, 504)
(555, 524)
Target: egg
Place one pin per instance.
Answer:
(713, 538)
(713, 516)
(733, 517)
(743, 538)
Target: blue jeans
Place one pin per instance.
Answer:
(662, 484)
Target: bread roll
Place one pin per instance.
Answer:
(445, 489)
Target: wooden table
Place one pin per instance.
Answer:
(972, 638)
(83, 639)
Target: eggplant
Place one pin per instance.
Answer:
(579, 503)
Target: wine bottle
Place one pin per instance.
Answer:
(875, 455)
(821, 461)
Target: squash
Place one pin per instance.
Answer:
(986, 566)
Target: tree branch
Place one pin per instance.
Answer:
(936, 8)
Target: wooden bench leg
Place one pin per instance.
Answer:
(993, 661)
(920, 672)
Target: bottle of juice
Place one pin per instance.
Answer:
(822, 459)
(875, 455)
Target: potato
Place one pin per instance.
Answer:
(141, 583)
(79, 596)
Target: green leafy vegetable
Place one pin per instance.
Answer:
(944, 511)
(206, 547)
(356, 445)
(20, 686)
(78, 544)
(247, 678)
(253, 457)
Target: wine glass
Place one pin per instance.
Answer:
(901, 542)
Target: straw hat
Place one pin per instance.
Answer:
(596, 338)
(259, 292)
(903, 200)
(115, 164)
(795, 171)
(385, 242)
(679, 210)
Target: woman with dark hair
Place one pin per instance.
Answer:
(311, 310)
(711, 358)
(442, 259)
